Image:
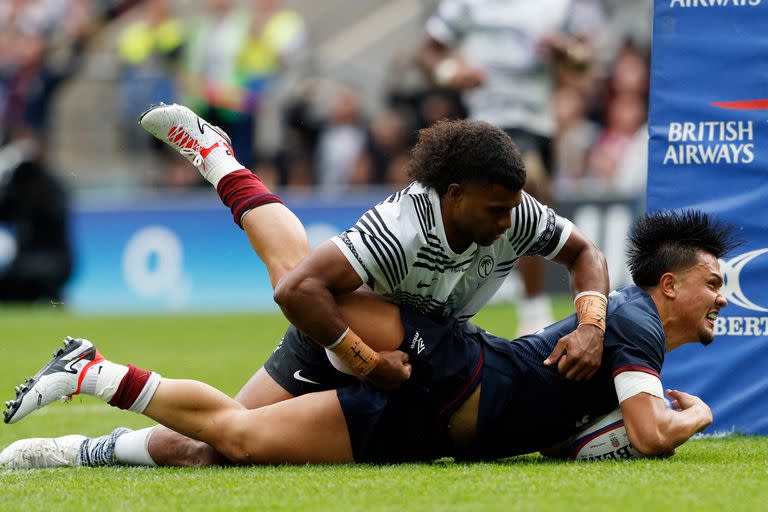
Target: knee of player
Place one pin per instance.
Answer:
(195, 454)
(240, 444)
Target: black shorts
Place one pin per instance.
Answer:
(301, 366)
(409, 424)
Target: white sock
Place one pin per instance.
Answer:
(219, 165)
(102, 379)
(132, 448)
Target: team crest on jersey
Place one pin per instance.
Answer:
(485, 266)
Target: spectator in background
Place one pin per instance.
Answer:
(573, 139)
(41, 42)
(212, 81)
(385, 156)
(341, 139)
(35, 205)
(300, 127)
(276, 41)
(276, 38)
(150, 47)
(625, 115)
(503, 55)
(408, 92)
(233, 55)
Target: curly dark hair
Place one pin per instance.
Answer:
(669, 241)
(462, 151)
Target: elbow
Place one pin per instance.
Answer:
(286, 291)
(650, 443)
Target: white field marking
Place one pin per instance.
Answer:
(719, 434)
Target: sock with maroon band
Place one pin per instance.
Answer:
(125, 387)
(242, 191)
(135, 390)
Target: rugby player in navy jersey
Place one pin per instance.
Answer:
(471, 395)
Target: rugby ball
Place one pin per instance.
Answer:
(604, 439)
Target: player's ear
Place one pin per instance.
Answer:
(455, 191)
(668, 285)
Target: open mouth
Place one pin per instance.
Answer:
(711, 318)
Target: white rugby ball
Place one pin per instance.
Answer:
(604, 439)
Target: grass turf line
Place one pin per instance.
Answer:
(224, 350)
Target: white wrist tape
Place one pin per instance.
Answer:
(589, 292)
(338, 340)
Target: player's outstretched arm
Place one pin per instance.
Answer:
(655, 430)
(578, 355)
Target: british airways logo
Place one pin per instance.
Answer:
(714, 3)
(710, 142)
(714, 141)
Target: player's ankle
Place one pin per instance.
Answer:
(218, 169)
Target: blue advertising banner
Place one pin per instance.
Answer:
(709, 150)
(181, 254)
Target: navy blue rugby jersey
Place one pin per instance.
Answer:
(526, 406)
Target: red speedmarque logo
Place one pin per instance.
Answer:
(742, 105)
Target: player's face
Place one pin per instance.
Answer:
(483, 213)
(699, 298)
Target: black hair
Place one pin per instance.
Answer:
(463, 151)
(670, 240)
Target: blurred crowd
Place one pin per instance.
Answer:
(224, 58)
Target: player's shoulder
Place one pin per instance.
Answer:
(415, 206)
(408, 216)
(406, 195)
(529, 209)
(631, 307)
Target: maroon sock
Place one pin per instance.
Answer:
(242, 191)
(130, 387)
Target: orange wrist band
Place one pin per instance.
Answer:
(353, 352)
(590, 308)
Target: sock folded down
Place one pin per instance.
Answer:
(242, 191)
(136, 389)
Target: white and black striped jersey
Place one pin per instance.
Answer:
(503, 38)
(399, 249)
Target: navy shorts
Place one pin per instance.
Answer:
(409, 424)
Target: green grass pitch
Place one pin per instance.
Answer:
(224, 350)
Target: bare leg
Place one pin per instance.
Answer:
(169, 448)
(277, 236)
(377, 321)
(306, 429)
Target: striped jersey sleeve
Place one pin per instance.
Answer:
(380, 245)
(537, 230)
